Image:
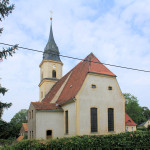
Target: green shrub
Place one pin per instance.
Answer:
(130, 140)
(148, 128)
(142, 128)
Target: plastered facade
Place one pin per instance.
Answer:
(130, 128)
(102, 99)
(79, 110)
(31, 122)
(70, 107)
(49, 120)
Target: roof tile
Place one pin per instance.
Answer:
(129, 121)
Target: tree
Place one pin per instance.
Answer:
(3, 105)
(20, 117)
(133, 109)
(5, 10)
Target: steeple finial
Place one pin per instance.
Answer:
(51, 51)
(51, 12)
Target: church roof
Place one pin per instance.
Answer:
(46, 106)
(129, 121)
(51, 51)
(69, 85)
(25, 126)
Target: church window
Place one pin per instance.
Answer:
(32, 134)
(49, 134)
(54, 74)
(93, 119)
(66, 122)
(110, 119)
(32, 114)
(110, 88)
(93, 86)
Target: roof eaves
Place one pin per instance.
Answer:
(68, 101)
(50, 110)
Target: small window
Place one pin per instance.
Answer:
(132, 128)
(49, 134)
(129, 120)
(110, 88)
(32, 134)
(93, 86)
(32, 114)
(54, 74)
(66, 122)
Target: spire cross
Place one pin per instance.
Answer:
(51, 12)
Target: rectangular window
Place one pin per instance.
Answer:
(32, 134)
(66, 122)
(110, 119)
(32, 114)
(93, 119)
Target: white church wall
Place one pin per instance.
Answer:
(71, 118)
(49, 120)
(101, 98)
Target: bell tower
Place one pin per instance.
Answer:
(50, 67)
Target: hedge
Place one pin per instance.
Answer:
(134, 140)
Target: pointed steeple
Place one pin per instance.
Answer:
(51, 51)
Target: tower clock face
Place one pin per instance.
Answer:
(54, 66)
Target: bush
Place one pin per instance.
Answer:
(130, 140)
(142, 128)
(148, 128)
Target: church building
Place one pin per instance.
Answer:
(85, 101)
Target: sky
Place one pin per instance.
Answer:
(116, 31)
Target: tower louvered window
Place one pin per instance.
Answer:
(66, 122)
(110, 119)
(54, 74)
(93, 119)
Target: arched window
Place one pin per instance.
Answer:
(93, 119)
(54, 74)
(110, 119)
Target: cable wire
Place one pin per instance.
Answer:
(123, 67)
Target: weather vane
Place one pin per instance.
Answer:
(51, 12)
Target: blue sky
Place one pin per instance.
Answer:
(116, 31)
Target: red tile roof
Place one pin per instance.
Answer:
(46, 106)
(129, 121)
(76, 79)
(25, 126)
(20, 138)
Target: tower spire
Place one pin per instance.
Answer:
(51, 51)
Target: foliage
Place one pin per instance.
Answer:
(148, 128)
(3, 105)
(6, 142)
(7, 130)
(137, 113)
(5, 10)
(12, 129)
(142, 128)
(134, 140)
(20, 117)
